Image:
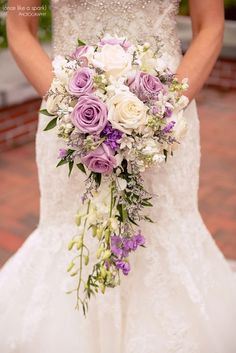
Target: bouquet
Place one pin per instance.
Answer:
(118, 109)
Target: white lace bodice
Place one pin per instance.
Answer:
(149, 20)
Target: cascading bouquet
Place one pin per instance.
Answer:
(118, 110)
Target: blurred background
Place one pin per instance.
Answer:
(19, 104)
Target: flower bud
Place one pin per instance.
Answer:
(107, 235)
(86, 260)
(78, 219)
(79, 243)
(70, 266)
(106, 254)
(71, 244)
(103, 271)
(99, 233)
(99, 252)
(103, 288)
(94, 231)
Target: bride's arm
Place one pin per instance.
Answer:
(27, 51)
(208, 27)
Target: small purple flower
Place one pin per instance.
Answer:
(131, 244)
(124, 266)
(168, 112)
(116, 245)
(112, 136)
(169, 127)
(81, 82)
(154, 110)
(62, 153)
(139, 239)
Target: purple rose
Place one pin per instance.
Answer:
(90, 114)
(100, 160)
(81, 82)
(145, 86)
(113, 41)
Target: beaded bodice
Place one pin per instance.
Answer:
(149, 20)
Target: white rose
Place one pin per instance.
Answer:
(63, 69)
(164, 62)
(55, 99)
(113, 59)
(126, 112)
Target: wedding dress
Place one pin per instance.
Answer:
(180, 296)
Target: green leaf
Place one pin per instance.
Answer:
(132, 221)
(71, 164)
(97, 178)
(80, 42)
(123, 212)
(148, 219)
(45, 112)
(147, 204)
(165, 154)
(62, 161)
(81, 167)
(51, 124)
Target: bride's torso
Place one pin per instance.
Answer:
(147, 20)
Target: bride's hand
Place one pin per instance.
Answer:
(23, 43)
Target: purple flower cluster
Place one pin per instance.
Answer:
(121, 247)
(124, 266)
(112, 136)
(169, 127)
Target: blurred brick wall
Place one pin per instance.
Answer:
(223, 75)
(18, 123)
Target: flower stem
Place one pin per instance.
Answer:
(81, 256)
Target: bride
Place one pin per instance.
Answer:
(181, 296)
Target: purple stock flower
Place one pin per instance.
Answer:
(169, 127)
(124, 266)
(90, 114)
(168, 112)
(121, 246)
(112, 136)
(81, 82)
(145, 86)
(139, 239)
(100, 160)
(131, 244)
(62, 153)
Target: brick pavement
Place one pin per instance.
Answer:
(19, 197)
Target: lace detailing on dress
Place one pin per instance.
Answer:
(148, 20)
